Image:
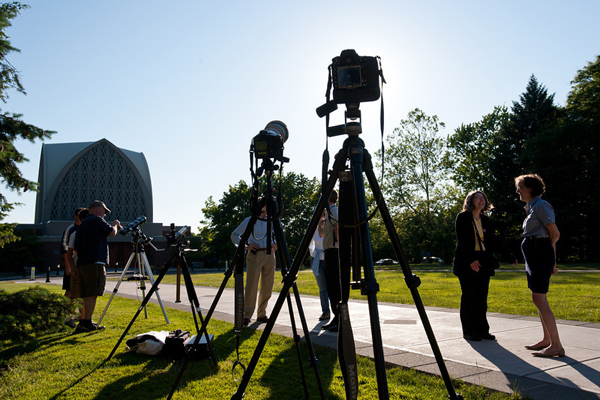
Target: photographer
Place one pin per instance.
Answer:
(91, 245)
(259, 266)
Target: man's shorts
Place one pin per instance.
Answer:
(92, 280)
(75, 286)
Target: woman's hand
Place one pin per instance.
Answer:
(475, 265)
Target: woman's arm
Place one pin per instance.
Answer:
(554, 236)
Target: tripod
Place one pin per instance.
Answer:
(237, 264)
(138, 254)
(352, 192)
(177, 260)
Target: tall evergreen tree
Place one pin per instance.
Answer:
(12, 127)
(534, 111)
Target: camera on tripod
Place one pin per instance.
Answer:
(355, 78)
(136, 223)
(268, 144)
(176, 238)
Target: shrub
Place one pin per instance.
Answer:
(28, 313)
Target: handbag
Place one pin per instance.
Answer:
(487, 260)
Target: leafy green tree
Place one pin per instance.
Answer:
(11, 126)
(299, 196)
(472, 146)
(417, 187)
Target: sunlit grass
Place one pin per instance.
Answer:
(69, 366)
(574, 295)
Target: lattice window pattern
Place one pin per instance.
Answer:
(100, 174)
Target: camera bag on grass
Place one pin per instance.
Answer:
(175, 344)
(202, 347)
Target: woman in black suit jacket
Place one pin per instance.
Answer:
(475, 235)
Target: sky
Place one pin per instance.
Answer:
(190, 83)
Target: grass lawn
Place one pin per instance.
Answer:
(68, 366)
(574, 291)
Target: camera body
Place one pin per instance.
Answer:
(268, 144)
(355, 78)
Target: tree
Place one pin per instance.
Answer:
(566, 154)
(12, 127)
(533, 112)
(299, 195)
(417, 188)
(471, 147)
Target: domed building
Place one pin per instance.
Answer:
(72, 175)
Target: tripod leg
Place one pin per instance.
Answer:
(140, 308)
(149, 272)
(412, 281)
(285, 267)
(193, 298)
(116, 289)
(370, 286)
(288, 282)
(237, 264)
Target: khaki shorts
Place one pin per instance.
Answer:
(75, 286)
(92, 280)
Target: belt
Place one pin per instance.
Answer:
(540, 238)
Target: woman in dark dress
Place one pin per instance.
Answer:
(476, 240)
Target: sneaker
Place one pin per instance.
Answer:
(70, 322)
(81, 328)
(246, 321)
(324, 317)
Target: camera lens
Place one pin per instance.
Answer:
(279, 128)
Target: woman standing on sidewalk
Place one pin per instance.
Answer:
(474, 264)
(539, 250)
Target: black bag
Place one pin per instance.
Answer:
(174, 344)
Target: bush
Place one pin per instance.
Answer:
(31, 312)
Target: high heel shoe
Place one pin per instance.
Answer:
(559, 353)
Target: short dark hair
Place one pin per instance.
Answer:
(333, 196)
(468, 203)
(533, 182)
(83, 213)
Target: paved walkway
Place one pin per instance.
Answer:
(502, 365)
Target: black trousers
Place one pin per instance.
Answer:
(333, 275)
(473, 302)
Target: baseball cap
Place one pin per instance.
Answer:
(98, 203)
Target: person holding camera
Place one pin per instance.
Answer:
(260, 266)
(317, 265)
(474, 264)
(540, 235)
(91, 245)
(332, 263)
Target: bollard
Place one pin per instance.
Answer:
(58, 270)
(32, 278)
(48, 275)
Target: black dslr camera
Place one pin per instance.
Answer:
(355, 78)
(269, 142)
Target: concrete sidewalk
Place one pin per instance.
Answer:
(503, 365)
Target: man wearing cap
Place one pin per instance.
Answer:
(91, 244)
